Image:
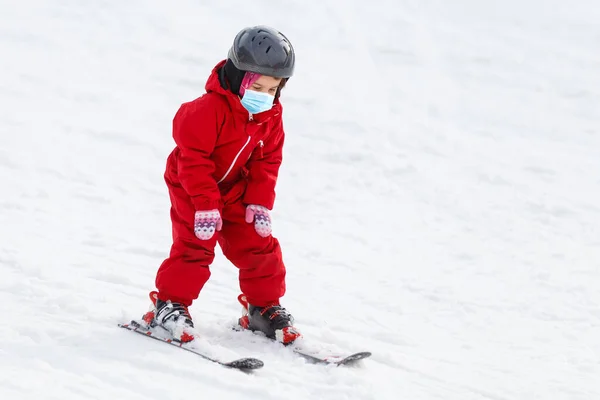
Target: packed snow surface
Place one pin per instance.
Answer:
(438, 205)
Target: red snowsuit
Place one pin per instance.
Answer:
(224, 159)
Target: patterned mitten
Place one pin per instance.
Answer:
(262, 219)
(206, 222)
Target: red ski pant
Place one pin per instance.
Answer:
(259, 260)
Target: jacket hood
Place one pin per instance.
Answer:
(213, 85)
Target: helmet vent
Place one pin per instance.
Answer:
(268, 48)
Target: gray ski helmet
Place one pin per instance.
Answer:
(263, 50)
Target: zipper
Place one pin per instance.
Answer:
(261, 144)
(234, 160)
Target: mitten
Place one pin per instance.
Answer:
(206, 222)
(262, 219)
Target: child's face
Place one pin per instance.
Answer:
(266, 84)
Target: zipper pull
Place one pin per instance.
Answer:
(261, 144)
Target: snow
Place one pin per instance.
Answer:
(439, 202)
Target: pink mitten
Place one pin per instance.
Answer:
(206, 222)
(262, 219)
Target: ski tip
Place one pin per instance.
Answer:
(354, 358)
(245, 364)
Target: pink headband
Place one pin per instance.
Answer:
(249, 79)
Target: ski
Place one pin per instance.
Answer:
(332, 359)
(324, 357)
(313, 356)
(242, 364)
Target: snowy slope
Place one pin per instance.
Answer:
(439, 203)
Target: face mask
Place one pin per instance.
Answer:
(257, 102)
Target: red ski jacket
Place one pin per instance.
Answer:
(219, 143)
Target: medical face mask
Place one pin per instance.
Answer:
(257, 102)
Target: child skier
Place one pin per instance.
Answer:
(221, 178)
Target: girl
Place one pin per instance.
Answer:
(221, 178)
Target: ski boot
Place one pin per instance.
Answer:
(173, 317)
(274, 321)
